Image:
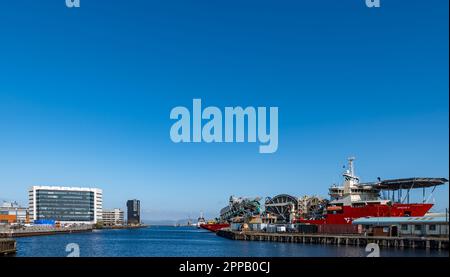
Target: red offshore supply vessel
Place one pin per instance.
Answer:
(213, 226)
(354, 200)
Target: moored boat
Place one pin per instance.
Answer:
(214, 227)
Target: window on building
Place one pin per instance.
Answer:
(404, 227)
(418, 227)
(432, 227)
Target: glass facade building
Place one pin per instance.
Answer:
(66, 204)
(133, 211)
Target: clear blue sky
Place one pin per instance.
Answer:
(85, 96)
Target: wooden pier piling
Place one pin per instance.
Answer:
(7, 246)
(347, 239)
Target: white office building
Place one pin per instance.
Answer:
(66, 204)
(113, 217)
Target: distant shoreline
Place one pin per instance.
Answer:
(121, 227)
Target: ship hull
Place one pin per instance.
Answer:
(214, 227)
(348, 214)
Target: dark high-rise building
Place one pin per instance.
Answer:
(133, 211)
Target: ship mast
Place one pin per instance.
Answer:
(350, 165)
(350, 180)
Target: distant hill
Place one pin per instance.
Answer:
(168, 222)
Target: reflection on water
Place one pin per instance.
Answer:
(186, 241)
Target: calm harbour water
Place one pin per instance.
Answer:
(185, 242)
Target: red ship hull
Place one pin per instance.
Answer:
(214, 227)
(347, 214)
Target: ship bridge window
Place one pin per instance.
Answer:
(404, 227)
